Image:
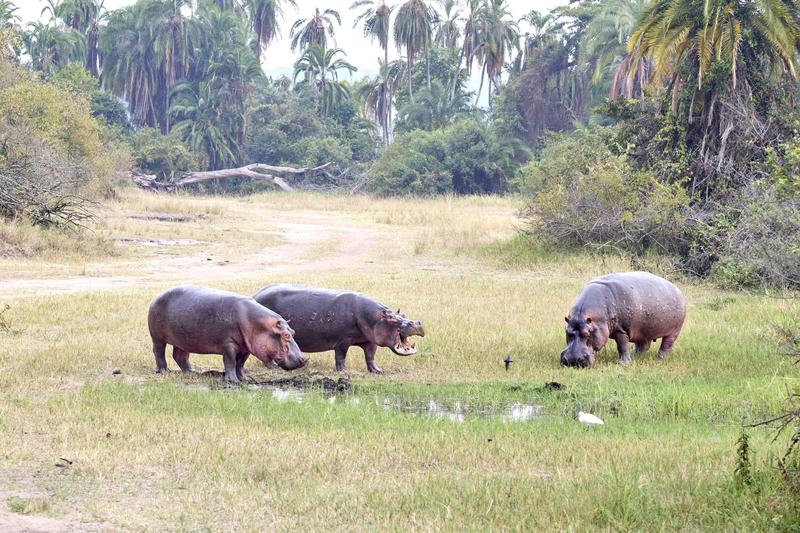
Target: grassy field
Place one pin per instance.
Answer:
(140, 451)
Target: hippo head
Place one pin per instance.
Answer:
(586, 335)
(393, 329)
(274, 342)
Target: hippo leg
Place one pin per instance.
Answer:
(229, 356)
(666, 346)
(369, 356)
(622, 341)
(182, 358)
(642, 347)
(159, 347)
(240, 361)
(341, 352)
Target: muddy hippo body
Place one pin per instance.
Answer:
(636, 307)
(206, 321)
(325, 319)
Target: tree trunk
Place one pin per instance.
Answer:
(480, 87)
(387, 97)
(452, 87)
(410, 90)
(428, 65)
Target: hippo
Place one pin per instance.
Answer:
(636, 307)
(327, 319)
(199, 320)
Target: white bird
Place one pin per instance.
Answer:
(589, 419)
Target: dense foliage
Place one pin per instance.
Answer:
(464, 158)
(636, 126)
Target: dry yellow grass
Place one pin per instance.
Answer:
(177, 452)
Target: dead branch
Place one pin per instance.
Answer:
(253, 171)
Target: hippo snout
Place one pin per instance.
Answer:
(582, 360)
(293, 359)
(291, 363)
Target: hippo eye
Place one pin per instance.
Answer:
(585, 333)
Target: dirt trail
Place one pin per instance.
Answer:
(301, 232)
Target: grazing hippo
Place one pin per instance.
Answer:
(628, 307)
(325, 319)
(199, 320)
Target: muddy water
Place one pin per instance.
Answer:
(340, 391)
(454, 411)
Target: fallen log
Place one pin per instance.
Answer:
(256, 171)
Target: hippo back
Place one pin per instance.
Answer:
(321, 318)
(644, 302)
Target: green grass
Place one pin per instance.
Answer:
(179, 452)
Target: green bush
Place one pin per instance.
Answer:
(162, 155)
(464, 158)
(584, 194)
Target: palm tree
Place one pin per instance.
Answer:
(314, 30)
(471, 40)
(413, 29)
(9, 44)
(206, 123)
(321, 68)
(433, 109)
(498, 33)
(448, 30)
(375, 96)
(86, 17)
(264, 15)
(672, 33)
(147, 48)
(51, 48)
(376, 20)
(7, 16)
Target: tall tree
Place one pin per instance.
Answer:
(147, 49)
(320, 68)
(51, 48)
(85, 17)
(498, 34)
(604, 48)
(314, 30)
(7, 16)
(264, 15)
(210, 106)
(376, 22)
(448, 29)
(413, 30)
(376, 96)
(699, 32)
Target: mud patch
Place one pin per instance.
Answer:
(166, 217)
(310, 384)
(157, 242)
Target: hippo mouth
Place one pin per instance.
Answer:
(403, 346)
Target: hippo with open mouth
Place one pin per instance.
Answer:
(636, 307)
(325, 319)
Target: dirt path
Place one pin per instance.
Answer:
(303, 234)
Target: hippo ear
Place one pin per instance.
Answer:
(566, 318)
(398, 310)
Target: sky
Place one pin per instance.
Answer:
(279, 59)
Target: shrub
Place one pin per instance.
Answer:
(162, 155)
(464, 158)
(600, 201)
(54, 156)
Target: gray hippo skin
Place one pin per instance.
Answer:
(199, 320)
(636, 307)
(325, 319)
